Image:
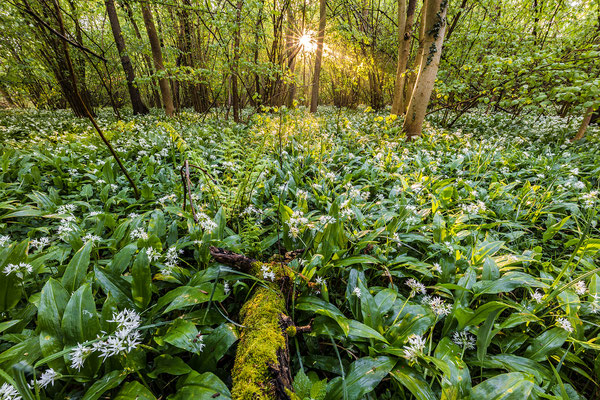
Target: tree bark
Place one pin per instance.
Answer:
(412, 75)
(435, 27)
(587, 117)
(405, 25)
(163, 82)
(291, 45)
(314, 96)
(134, 93)
(235, 99)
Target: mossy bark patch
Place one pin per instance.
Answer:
(260, 340)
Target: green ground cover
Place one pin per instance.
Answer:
(462, 264)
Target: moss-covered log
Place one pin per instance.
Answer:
(261, 369)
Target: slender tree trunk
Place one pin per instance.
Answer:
(134, 94)
(291, 45)
(236, 58)
(587, 117)
(412, 75)
(318, 57)
(163, 82)
(435, 28)
(405, 25)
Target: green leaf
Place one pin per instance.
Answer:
(485, 334)
(80, 322)
(487, 249)
(166, 364)
(414, 383)
(546, 343)
(319, 306)
(218, 341)
(53, 301)
(77, 268)
(507, 283)
(361, 330)
(10, 286)
(553, 230)
(107, 382)
(121, 260)
(302, 385)
(364, 375)
(118, 288)
(511, 386)
(141, 285)
(365, 259)
(187, 296)
(206, 386)
(184, 335)
(456, 383)
(134, 391)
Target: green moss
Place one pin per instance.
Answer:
(259, 342)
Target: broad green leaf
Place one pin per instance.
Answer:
(10, 286)
(546, 343)
(118, 288)
(187, 296)
(507, 283)
(511, 386)
(166, 364)
(53, 302)
(121, 260)
(358, 329)
(104, 384)
(362, 378)
(134, 391)
(77, 268)
(408, 378)
(365, 259)
(456, 383)
(553, 230)
(485, 334)
(141, 285)
(318, 306)
(206, 386)
(184, 335)
(218, 341)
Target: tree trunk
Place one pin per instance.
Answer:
(587, 117)
(318, 57)
(412, 75)
(236, 58)
(262, 361)
(134, 94)
(291, 45)
(435, 28)
(163, 82)
(405, 24)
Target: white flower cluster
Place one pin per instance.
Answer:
(18, 269)
(206, 223)
(47, 378)
(126, 338)
(478, 208)
(537, 296)
(415, 347)
(357, 292)
(267, 273)
(464, 339)
(296, 222)
(66, 209)
(324, 221)
(39, 243)
(66, 226)
(91, 237)
(565, 324)
(436, 268)
(580, 288)
(138, 233)
(4, 239)
(152, 254)
(8, 392)
(415, 287)
(438, 306)
(589, 199)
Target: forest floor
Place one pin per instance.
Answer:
(465, 262)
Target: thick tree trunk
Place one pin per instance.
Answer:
(587, 117)
(435, 28)
(134, 94)
(405, 25)
(314, 96)
(165, 89)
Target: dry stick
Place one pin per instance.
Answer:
(87, 111)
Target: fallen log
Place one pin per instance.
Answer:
(262, 362)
